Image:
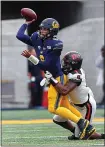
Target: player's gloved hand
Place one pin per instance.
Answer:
(30, 57)
(46, 80)
(48, 75)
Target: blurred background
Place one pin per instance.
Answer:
(81, 29)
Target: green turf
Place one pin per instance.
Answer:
(25, 114)
(41, 135)
(34, 114)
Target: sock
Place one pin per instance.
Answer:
(67, 125)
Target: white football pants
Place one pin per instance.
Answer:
(88, 111)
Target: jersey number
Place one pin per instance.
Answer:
(41, 57)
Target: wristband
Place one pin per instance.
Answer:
(33, 59)
(53, 81)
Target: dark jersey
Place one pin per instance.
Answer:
(48, 51)
(34, 70)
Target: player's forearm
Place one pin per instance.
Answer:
(21, 35)
(62, 89)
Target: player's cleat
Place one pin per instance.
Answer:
(82, 124)
(72, 137)
(89, 131)
(102, 136)
(89, 137)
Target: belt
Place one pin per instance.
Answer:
(82, 105)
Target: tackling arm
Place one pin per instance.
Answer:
(74, 81)
(62, 89)
(65, 89)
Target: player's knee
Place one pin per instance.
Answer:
(57, 118)
(57, 122)
(51, 109)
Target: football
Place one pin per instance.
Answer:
(28, 14)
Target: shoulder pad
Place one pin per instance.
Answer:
(76, 77)
(58, 45)
(34, 35)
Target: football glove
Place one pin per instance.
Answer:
(46, 80)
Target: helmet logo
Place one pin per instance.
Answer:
(55, 25)
(74, 56)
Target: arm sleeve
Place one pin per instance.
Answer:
(22, 37)
(50, 59)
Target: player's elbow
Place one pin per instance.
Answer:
(20, 36)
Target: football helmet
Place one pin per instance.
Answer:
(71, 61)
(52, 25)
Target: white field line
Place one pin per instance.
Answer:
(99, 144)
(44, 137)
(21, 131)
(41, 137)
(17, 131)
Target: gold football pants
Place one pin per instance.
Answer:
(60, 105)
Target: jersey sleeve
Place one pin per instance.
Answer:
(52, 56)
(75, 77)
(58, 46)
(22, 36)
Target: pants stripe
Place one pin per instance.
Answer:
(59, 95)
(89, 111)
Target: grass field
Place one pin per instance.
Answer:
(35, 127)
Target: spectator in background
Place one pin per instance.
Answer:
(35, 76)
(100, 66)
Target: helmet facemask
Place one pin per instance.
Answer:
(66, 67)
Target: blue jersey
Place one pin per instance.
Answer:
(48, 51)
